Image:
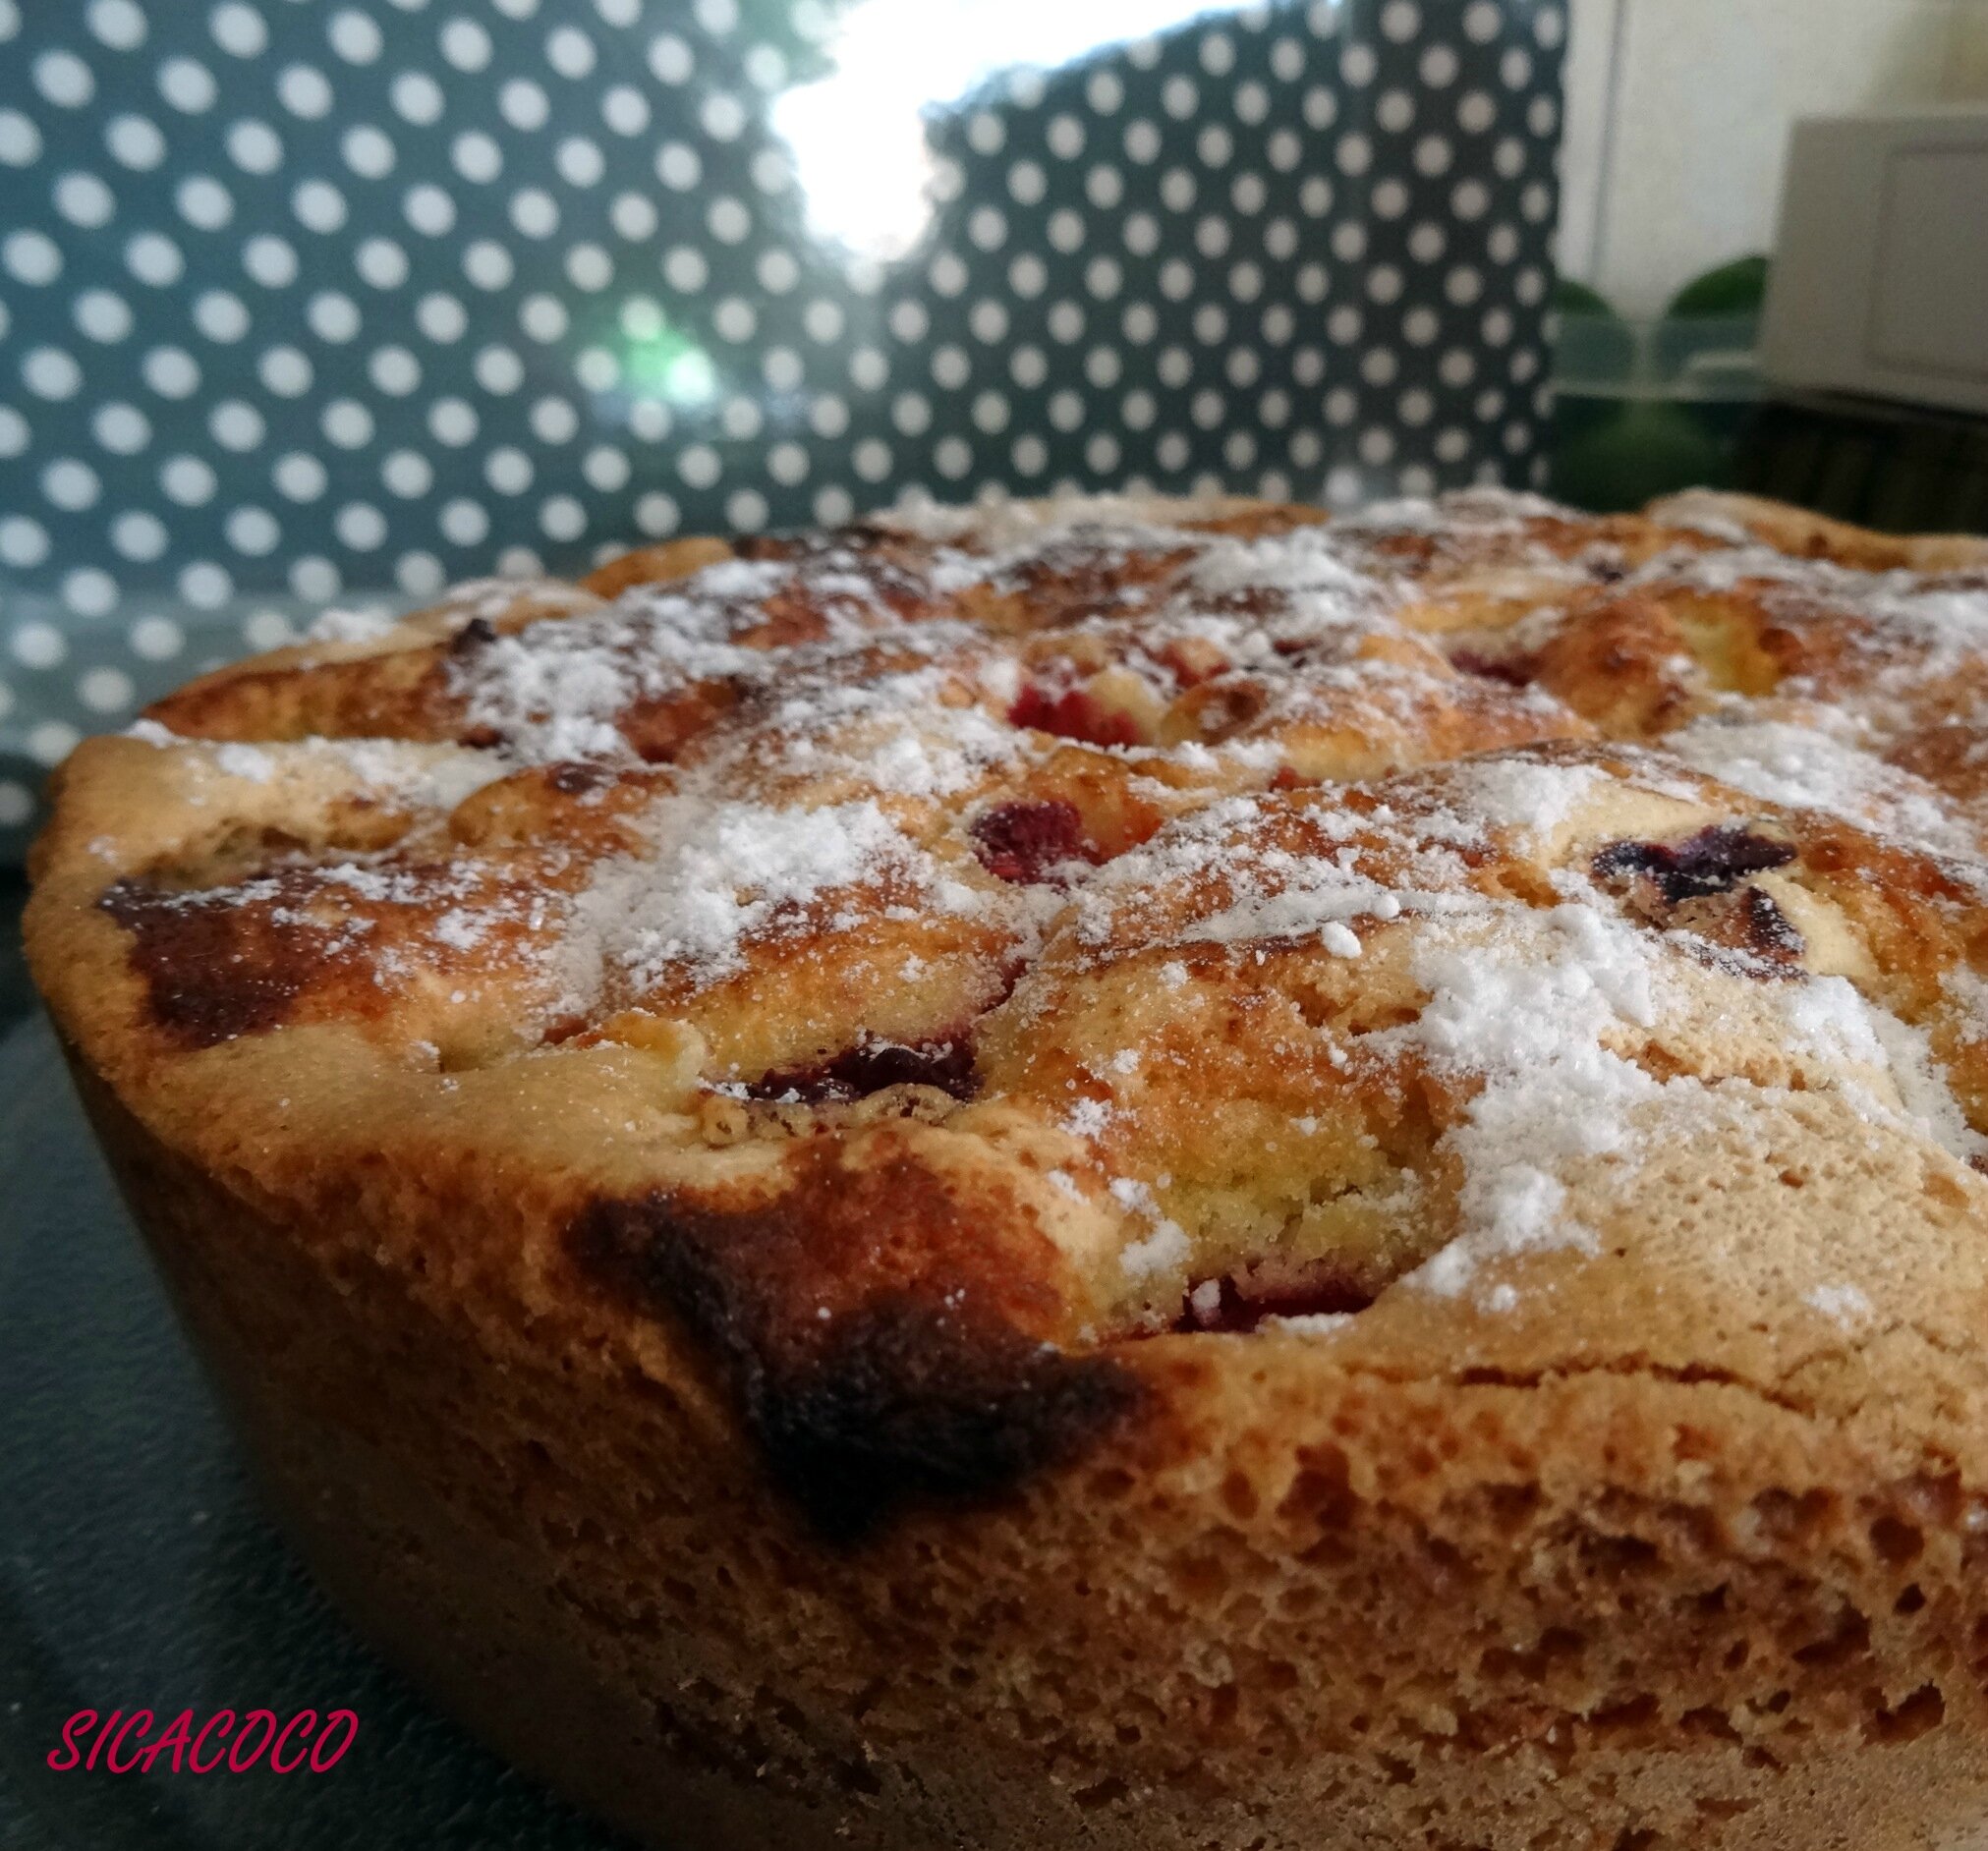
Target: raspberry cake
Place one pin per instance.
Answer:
(1105, 1173)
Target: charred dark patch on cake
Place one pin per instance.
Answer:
(873, 1065)
(878, 1333)
(1029, 842)
(211, 970)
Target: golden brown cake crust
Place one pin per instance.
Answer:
(1123, 1174)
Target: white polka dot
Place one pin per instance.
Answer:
(729, 221)
(267, 630)
(670, 58)
(649, 419)
(172, 372)
(204, 202)
(700, 466)
(605, 467)
(17, 803)
(205, 585)
(71, 485)
(50, 373)
(580, 161)
(236, 424)
(678, 166)
(383, 264)
(833, 505)
(314, 578)
(90, 592)
(19, 139)
(31, 257)
(285, 372)
(534, 212)
(508, 470)
(417, 99)
(465, 44)
(1027, 182)
(133, 142)
(498, 369)
(64, 80)
(304, 91)
(407, 474)
(554, 421)
(429, 210)
(746, 510)
(355, 36)
(724, 116)
(106, 690)
(52, 742)
(254, 148)
(253, 532)
(569, 51)
(347, 424)
(1030, 454)
(599, 371)
(562, 518)
(421, 574)
(624, 109)
(463, 523)
(299, 478)
(656, 515)
(238, 30)
(319, 206)
(270, 261)
(828, 416)
(782, 368)
(220, 315)
(138, 534)
(360, 526)
(156, 638)
(633, 217)
(23, 541)
(83, 199)
(188, 481)
(453, 421)
(368, 151)
(118, 24)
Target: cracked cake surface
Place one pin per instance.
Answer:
(1113, 1169)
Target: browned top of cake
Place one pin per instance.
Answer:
(938, 962)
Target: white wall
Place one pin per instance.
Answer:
(1677, 115)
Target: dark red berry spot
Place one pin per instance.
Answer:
(1027, 842)
(574, 778)
(1512, 671)
(1714, 861)
(870, 1067)
(1074, 714)
(1324, 1293)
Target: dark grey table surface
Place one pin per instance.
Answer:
(137, 1572)
(15, 990)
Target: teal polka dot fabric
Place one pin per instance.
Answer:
(314, 305)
